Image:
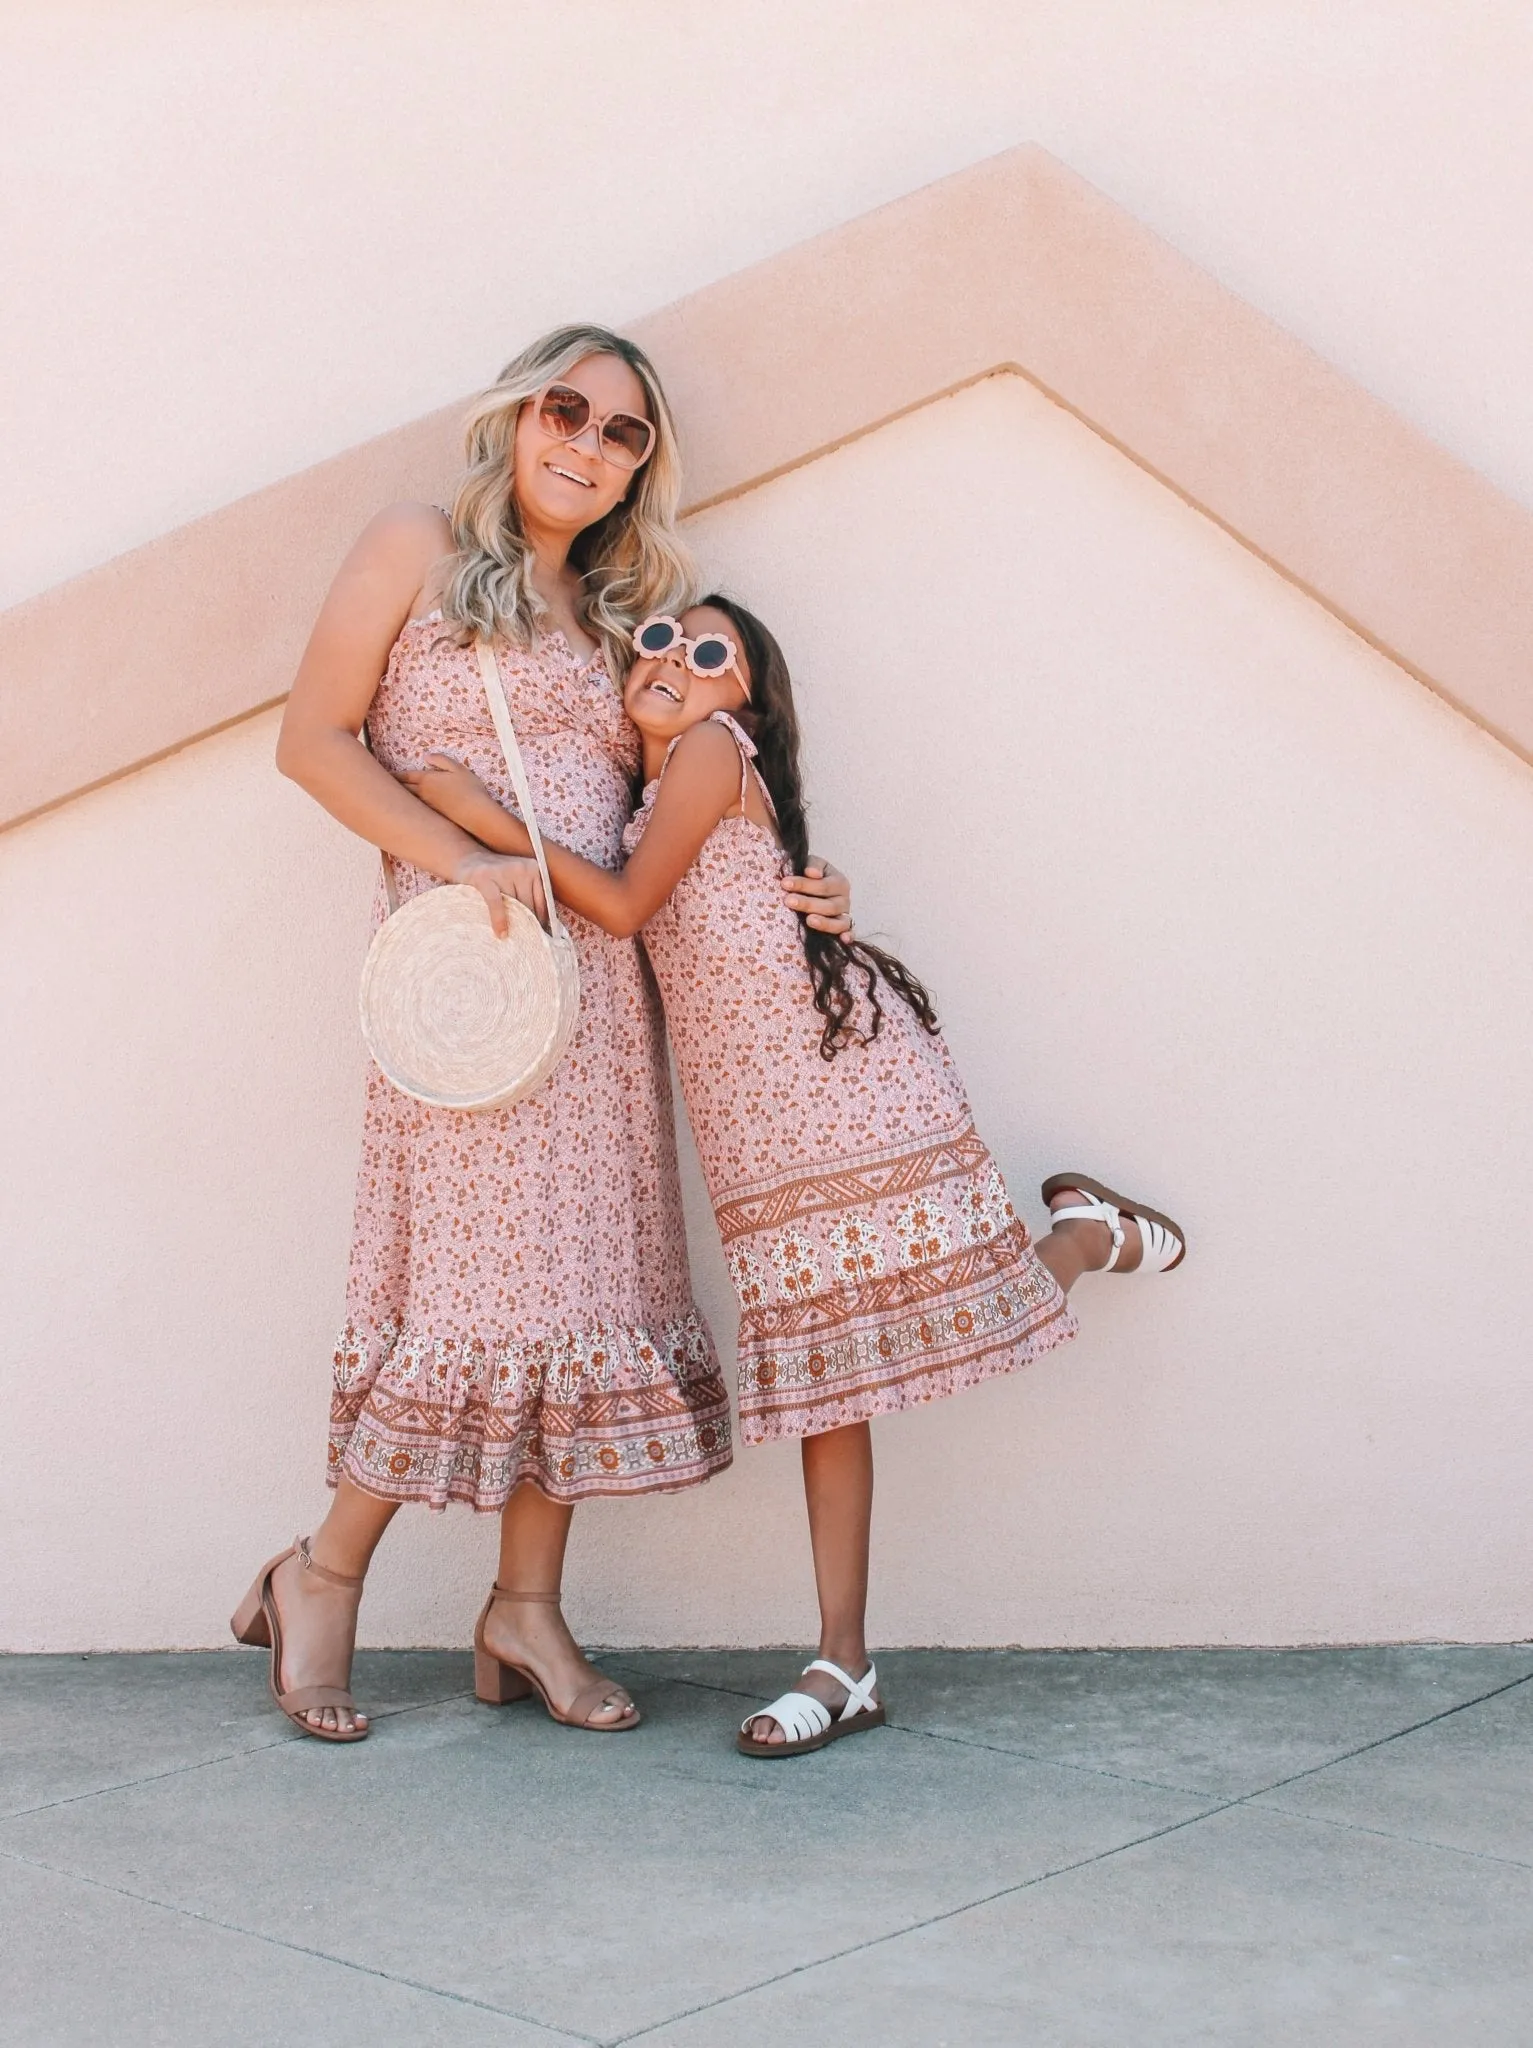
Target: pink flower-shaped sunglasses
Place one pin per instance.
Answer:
(710, 654)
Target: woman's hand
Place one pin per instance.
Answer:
(823, 896)
(454, 791)
(499, 875)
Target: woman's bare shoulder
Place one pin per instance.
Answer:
(401, 551)
(405, 533)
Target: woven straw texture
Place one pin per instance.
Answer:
(459, 1018)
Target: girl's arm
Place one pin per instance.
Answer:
(701, 783)
(348, 651)
(821, 895)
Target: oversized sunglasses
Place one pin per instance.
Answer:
(622, 438)
(710, 654)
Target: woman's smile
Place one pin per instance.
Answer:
(570, 476)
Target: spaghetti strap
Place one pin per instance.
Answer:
(747, 746)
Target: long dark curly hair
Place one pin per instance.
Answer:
(772, 724)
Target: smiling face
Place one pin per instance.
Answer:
(665, 699)
(562, 487)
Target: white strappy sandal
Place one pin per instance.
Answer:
(1165, 1242)
(807, 1723)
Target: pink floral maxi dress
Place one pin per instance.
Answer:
(518, 1303)
(876, 1256)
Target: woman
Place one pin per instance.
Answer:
(520, 1331)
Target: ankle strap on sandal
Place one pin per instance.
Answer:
(500, 1592)
(307, 1559)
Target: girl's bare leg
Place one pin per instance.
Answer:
(838, 1489)
(319, 1619)
(534, 1531)
(838, 1484)
(1077, 1247)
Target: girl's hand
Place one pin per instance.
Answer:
(823, 896)
(453, 790)
(499, 875)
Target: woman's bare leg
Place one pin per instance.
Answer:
(838, 1490)
(534, 1531)
(319, 1619)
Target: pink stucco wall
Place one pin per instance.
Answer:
(1214, 896)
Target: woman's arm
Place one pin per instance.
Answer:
(700, 785)
(822, 896)
(348, 651)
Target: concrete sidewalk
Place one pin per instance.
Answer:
(1125, 1848)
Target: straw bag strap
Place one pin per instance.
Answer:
(500, 711)
(505, 731)
(390, 892)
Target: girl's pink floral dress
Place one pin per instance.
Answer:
(876, 1255)
(519, 1304)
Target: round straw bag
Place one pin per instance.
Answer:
(453, 1015)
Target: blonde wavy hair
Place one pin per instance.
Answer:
(632, 562)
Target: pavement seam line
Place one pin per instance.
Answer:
(966, 1742)
(1194, 1792)
(1150, 1784)
(1357, 1827)
(1383, 1741)
(297, 1947)
(932, 1920)
(205, 1763)
(1031, 1756)
(1244, 1800)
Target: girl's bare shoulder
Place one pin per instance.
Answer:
(706, 751)
(703, 772)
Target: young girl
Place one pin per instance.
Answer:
(877, 1259)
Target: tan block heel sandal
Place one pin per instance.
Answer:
(1164, 1241)
(497, 1681)
(256, 1622)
